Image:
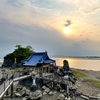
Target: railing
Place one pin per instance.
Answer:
(8, 82)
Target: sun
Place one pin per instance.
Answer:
(67, 30)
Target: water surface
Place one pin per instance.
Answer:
(80, 63)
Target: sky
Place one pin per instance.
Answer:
(42, 24)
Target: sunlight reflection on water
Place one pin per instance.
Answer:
(88, 64)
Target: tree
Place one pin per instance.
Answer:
(20, 53)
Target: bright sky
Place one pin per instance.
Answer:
(42, 24)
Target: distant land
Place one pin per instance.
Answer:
(87, 57)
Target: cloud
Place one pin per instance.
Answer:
(92, 10)
(41, 24)
(27, 13)
(68, 23)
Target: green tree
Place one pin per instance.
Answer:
(20, 53)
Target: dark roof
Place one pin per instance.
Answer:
(37, 58)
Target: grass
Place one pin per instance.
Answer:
(79, 74)
(95, 83)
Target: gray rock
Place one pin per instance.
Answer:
(66, 77)
(98, 95)
(44, 93)
(24, 91)
(61, 97)
(17, 94)
(68, 98)
(35, 95)
(25, 98)
(62, 91)
(47, 90)
(44, 87)
(50, 93)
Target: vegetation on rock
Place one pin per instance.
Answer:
(19, 54)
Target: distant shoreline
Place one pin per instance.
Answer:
(87, 58)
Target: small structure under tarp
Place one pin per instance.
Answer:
(40, 61)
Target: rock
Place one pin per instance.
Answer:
(44, 93)
(44, 87)
(27, 92)
(25, 98)
(35, 95)
(50, 93)
(66, 98)
(98, 95)
(66, 77)
(17, 94)
(62, 91)
(23, 91)
(19, 88)
(47, 90)
(54, 92)
(61, 97)
(57, 87)
(34, 88)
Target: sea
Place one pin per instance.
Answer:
(78, 63)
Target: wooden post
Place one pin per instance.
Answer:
(12, 89)
(7, 93)
(4, 85)
(67, 90)
(40, 71)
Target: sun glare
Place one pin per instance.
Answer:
(67, 30)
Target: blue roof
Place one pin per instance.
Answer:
(37, 58)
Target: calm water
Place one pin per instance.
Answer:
(88, 64)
